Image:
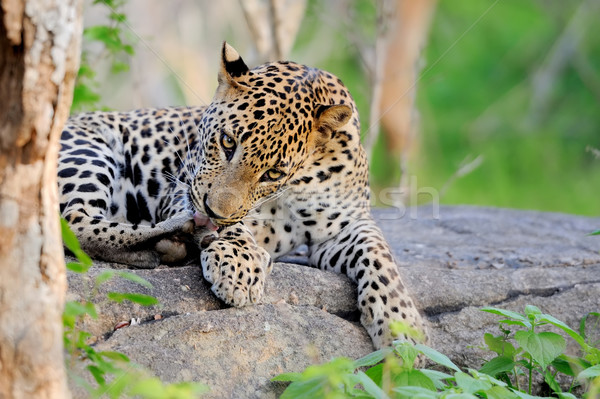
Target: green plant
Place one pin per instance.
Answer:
(115, 375)
(391, 372)
(115, 48)
(395, 377)
(539, 352)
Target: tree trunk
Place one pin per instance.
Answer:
(406, 40)
(39, 55)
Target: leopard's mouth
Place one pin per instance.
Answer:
(204, 221)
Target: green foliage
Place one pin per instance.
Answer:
(479, 99)
(475, 97)
(392, 373)
(114, 374)
(115, 47)
(538, 352)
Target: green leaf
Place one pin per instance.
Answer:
(84, 95)
(107, 35)
(410, 392)
(582, 323)
(499, 345)
(287, 377)
(149, 388)
(566, 395)
(372, 358)
(525, 324)
(403, 329)
(532, 312)
(488, 378)
(69, 238)
(91, 310)
(85, 71)
(551, 381)
(135, 278)
(122, 379)
(119, 17)
(470, 384)
(544, 347)
(97, 374)
(114, 356)
(74, 309)
(375, 373)
(118, 67)
(70, 241)
(414, 378)
(310, 389)
(497, 365)
(590, 372)
(497, 392)
(184, 390)
(438, 378)
(524, 395)
(77, 267)
(128, 49)
(142, 299)
(408, 353)
(563, 365)
(368, 384)
(436, 356)
(595, 233)
(104, 277)
(506, 313)
(557, 323)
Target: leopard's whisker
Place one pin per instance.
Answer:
(174, 179)
(270, 197)
(186, 165)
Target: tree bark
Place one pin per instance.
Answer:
(39, 56)
(406, 39)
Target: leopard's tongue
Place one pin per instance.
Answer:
(204, 221)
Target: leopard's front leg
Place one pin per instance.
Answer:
(360, 251)
(235, 266)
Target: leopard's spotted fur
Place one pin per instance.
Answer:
(275, 161)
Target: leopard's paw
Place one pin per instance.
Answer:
(237, 272)
(171, 250)
(380, 308)
(182, 244)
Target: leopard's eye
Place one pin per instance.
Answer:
(228, 144)
(272, 175)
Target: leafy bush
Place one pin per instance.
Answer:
(115, 375)
(391, 372)
(115, 48)
(539, 352)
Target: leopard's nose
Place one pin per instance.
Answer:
(209, 212)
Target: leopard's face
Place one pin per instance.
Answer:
(260, 128)
(245, 156)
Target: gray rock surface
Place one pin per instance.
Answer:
(455, 262)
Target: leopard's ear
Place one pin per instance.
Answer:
(232, 66)
(328, 119)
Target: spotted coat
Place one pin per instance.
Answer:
(274, 161)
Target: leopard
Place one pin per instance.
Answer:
(274, 162)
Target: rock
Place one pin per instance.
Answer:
(237, 351)
(182, 290)
(454, 264)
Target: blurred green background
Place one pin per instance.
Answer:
(477, 97)
(514, 82)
